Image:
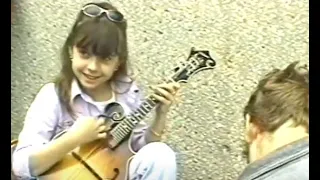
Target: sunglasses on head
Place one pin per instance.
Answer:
(93, 10)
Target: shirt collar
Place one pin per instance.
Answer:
(76, 91)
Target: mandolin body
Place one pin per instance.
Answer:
(107, 163)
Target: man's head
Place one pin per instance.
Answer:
(279, 105)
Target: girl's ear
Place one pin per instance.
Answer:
(118, 64)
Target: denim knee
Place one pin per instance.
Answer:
(159, 153)
(155, 160)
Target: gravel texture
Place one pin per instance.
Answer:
(246, 38)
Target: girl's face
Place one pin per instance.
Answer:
(91, 71)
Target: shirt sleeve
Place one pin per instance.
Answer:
(39, 125)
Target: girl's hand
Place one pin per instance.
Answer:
(165, 93)
(88, 129)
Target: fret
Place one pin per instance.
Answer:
(123, 136)
(126, 127)
(115, 137)
(141, 111)
(146, 108)
(118, 131)
(119, 136)
(138, 115)
(132, 120)
(128, 123)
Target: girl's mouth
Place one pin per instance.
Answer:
(90, 77)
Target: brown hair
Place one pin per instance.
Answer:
(98, 36)
(279, 96)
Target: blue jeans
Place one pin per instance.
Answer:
(155, 161)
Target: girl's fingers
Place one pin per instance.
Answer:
(161, 99)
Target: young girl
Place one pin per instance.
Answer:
(94, 73)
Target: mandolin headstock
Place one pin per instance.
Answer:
(196, 62)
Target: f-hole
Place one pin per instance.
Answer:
(116, 170)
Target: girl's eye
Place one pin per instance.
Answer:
(110, 59)
(107, 60)
(84, 54)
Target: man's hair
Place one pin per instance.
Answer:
(281, 95)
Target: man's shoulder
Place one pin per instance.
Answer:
(290, 162)
(294, 169)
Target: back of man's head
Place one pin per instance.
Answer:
(280, 96)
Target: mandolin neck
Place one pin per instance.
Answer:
(124, 128)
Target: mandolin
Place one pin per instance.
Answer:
(109, 159)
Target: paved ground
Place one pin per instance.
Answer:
(248, 38)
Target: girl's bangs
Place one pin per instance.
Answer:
(98, 38)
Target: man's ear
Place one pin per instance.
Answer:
(251, 130)
(70, 50)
